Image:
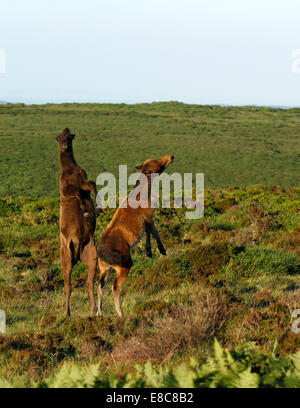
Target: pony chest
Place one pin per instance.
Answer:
(137, 238)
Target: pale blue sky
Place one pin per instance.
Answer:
(195, 51)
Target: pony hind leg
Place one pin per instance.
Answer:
(117, 286)
(89, 259)
(67, 263)
(104, 270)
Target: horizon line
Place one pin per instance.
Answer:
(4, 102)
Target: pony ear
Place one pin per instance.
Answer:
(139, 166)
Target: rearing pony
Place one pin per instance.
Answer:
(77, 219)
(125, 230)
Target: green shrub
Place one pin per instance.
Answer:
(255, 261)
(205, 260)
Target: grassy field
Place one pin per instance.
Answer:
(216, 311)
(233, 276)
(233, 146)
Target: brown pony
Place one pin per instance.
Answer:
(77, 219)
(125, 230)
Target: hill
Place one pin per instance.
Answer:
(232, 276)
(233, 146)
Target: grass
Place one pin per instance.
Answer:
(232, 277)
(216, 311)
(233, 146)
